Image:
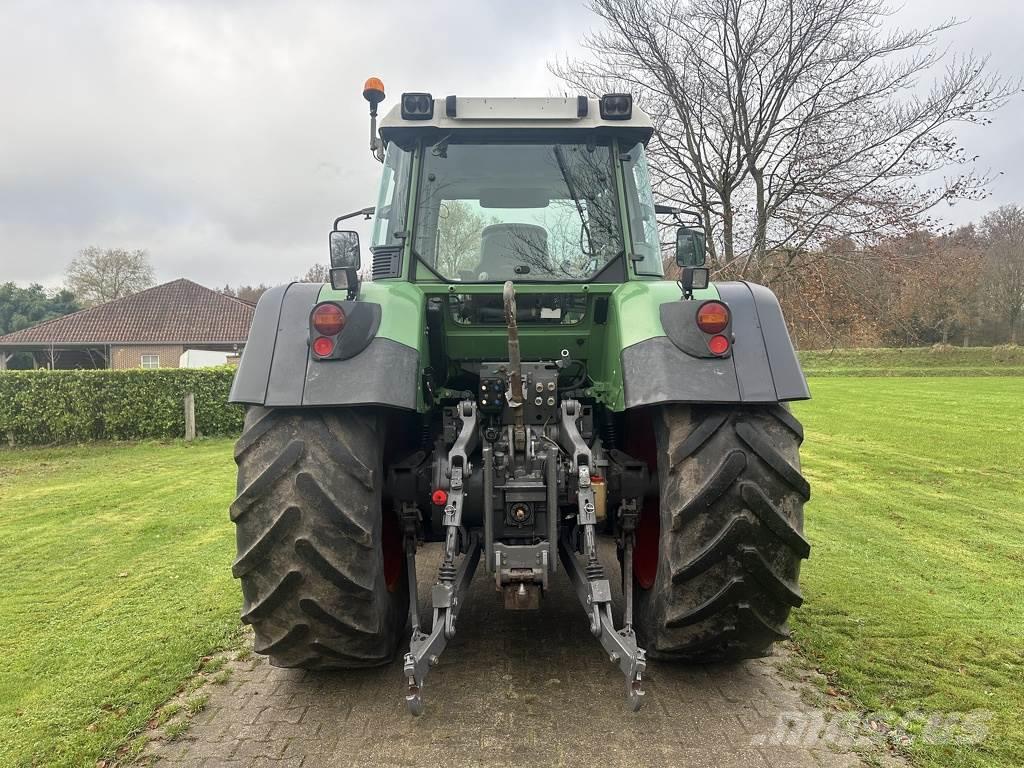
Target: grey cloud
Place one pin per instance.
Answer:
(225, 137)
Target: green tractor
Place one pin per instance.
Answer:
(518, 379)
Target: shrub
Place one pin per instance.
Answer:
(1008, 354)
(76, 406)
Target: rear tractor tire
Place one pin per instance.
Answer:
(718, 553)
(321, 566)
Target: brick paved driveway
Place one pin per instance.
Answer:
(513, 689)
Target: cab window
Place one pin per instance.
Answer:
(490, 212)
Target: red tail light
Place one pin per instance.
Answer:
(712, 317)
(718, 345)
(328, 319)
(323, 346)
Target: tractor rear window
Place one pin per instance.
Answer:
(523, 212)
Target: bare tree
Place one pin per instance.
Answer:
(785, 125)
(318, 273)
(247, 293)
(458, 240)
(1003, 233)
(104, 274)
(935, 285)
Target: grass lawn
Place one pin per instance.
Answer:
(115, 566)
(915, 585)
(923, 361)
(114, 581)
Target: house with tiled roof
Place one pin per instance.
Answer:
(154, 328)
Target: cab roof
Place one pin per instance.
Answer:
(513, 114)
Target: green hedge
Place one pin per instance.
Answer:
(76, 406)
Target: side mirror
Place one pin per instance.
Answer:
(345, 261)
(345, 250)
(689, 247)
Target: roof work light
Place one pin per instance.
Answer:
(417, 106)
(616, 106)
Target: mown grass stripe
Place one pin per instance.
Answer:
(913, 595)
(115, 561)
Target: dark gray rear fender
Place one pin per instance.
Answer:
(763, 366)
(277, 369)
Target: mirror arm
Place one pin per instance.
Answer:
(352, 281)
(660, 209)
(686, 283)
(365, 212)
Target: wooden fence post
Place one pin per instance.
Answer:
(190, 417)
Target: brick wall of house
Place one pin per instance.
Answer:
(131, 356)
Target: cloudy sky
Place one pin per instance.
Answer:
(224, 137)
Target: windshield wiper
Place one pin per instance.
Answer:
(567, 178)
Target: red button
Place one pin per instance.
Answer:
(439, 497)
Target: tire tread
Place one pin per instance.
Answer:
(309, 533)
(731, 501)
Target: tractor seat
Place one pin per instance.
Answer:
(503, 247)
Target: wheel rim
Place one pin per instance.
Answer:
(646, 551)
(391, 550)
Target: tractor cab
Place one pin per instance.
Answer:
(535, 190)
(553, 194)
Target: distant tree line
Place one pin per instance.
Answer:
(318, 273)
(245, 292)
(24, 307)
(965, 286)
(94, 276)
